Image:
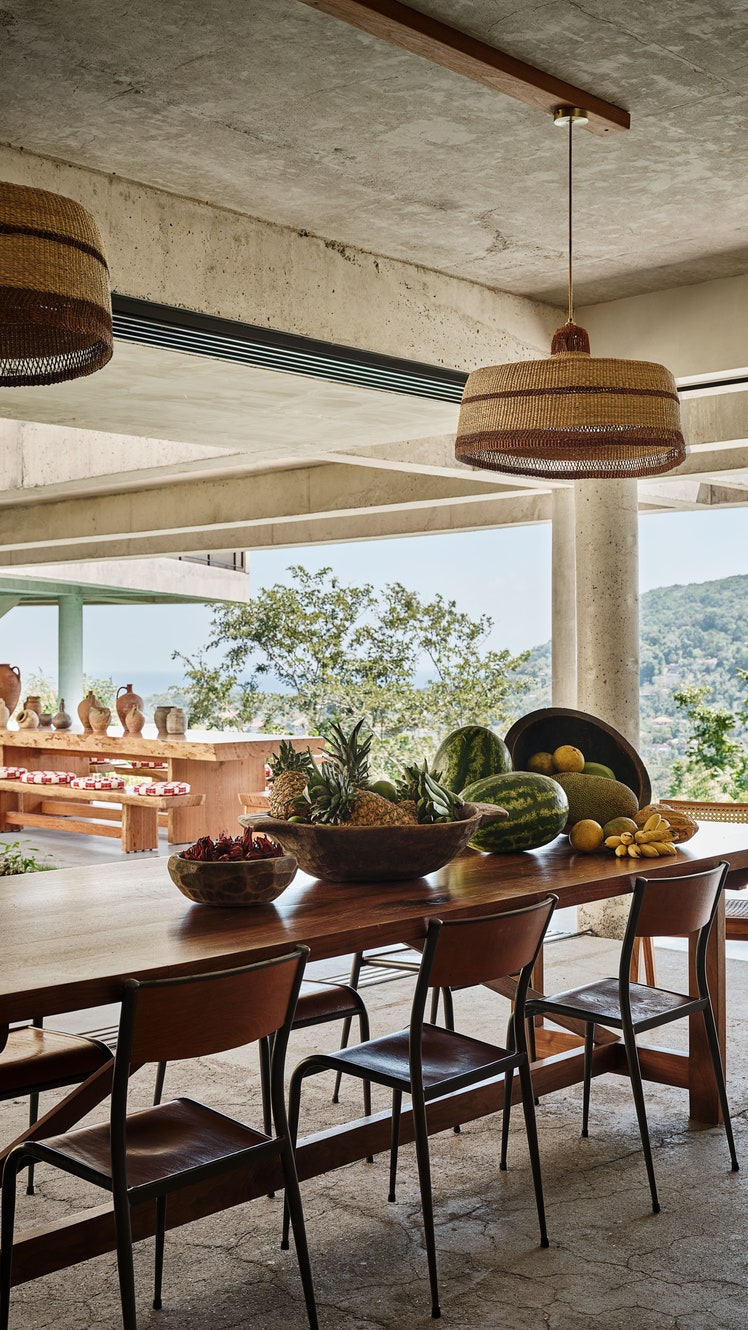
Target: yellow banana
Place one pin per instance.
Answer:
(634, 851)
(626, 837)
(613, 842)
(667, 847)
(621, 851)
(649, 851)
(652, 822)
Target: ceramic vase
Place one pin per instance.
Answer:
(27, 720)
(176, 721)
(99, 718)
(61, 720)
(33, 703)
(10, 686)
(126, 699)
(4, 714)
(134, 720)
(159, 720)
(84, 709)
(45, 720)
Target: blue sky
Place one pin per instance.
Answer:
(503, 573)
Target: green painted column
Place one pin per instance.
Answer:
(70, 651)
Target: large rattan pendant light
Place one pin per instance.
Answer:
(55, 306)
(572, 416)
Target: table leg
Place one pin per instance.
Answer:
(702, 1091)
(221, 783)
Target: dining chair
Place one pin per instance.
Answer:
(427, 1061)
(33, 1060)
(660, 907)
(145, 1155)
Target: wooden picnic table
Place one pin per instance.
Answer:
(70, 937)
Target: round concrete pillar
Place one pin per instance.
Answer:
(563, 600)
(607, 580)
(70, 651)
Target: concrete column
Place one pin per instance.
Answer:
(563, 600)
(8, 603)
(607, 580)
(70, 651)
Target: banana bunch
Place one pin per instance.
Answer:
(652, 841)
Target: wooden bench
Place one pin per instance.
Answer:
(134, 820)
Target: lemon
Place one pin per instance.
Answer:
(542, 762)
(586, 836)
(568, 758)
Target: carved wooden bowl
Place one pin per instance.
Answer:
(374, 854)
(237, 882)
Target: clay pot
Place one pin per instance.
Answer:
(10, 686)
(134, 720)
(45, 720)
(28, 720)
(33, 703)
(159, 720)
(62, 720)
(4, 715)
(176, 721)
(84, 709)
(99, 718)
(126, 699)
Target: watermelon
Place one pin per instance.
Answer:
(469, 754)
(537, 808)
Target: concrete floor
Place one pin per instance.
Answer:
(611, 1263)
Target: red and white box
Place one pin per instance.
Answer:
(164, 787)
(97, 783)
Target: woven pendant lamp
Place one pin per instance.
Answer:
(55, 305)
(573, 416)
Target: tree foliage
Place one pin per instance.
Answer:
(414, 669)
(715, 764)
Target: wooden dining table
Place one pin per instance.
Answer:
(70, 937)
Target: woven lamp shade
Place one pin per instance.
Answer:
(571, 417)
(55, 306)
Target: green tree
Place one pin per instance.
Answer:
(715, 764)
(338, 652)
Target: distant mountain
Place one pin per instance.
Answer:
(693, 634)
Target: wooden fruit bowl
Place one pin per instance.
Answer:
(374, 854)
(236, 882)
(544, 730)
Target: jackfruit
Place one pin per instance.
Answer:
(596, 797)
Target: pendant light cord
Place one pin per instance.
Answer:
(571, 285)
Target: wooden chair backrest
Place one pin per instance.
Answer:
(475, 951)
(676, 906)
(172, 1019)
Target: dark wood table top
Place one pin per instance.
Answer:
(70, 936)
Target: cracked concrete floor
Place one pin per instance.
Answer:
(611, 1263)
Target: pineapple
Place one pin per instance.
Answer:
(373, 810)
(433, 803)
(331, 798)
(290, 770)
(342, 797)
(350, 752)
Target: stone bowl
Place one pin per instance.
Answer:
(236, 882)
(374, 854)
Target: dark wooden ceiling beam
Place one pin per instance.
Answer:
(405, 27)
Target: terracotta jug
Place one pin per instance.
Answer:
(27, 720)
(62, 720)
(4, 715)
(99, 718)
(126, 699)
(33, 703)
(10, 686)
(134, 720)
(84, 708)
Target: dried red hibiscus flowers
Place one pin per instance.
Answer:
(227, 848)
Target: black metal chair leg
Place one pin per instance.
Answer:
(632, 1057)
(125, 1270)
(589, 1031)
(33, 1116)
(528, 1105)
(345, 1034)
(397, 1100)
(267, 1117)
(7, 1224)
(296, 1214)
(294, 1103)
(160, 1242)
(719, 1076)
(158, 1088)
(449, 1008)
(421, 1131)
(508, 1083)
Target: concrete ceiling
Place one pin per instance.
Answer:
(278, 112)
(286, 114)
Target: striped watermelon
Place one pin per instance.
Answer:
(469, 754)
(537, 808)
